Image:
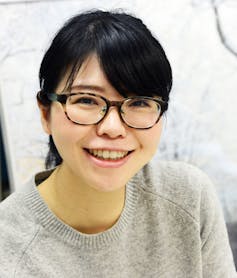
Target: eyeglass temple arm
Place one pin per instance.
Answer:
(55, 97)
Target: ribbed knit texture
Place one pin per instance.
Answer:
(171, 227)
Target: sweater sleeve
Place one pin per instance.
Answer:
(217, 258)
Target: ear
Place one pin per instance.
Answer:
(45, 117)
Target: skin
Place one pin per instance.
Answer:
(87, 196)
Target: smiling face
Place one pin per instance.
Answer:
(103, 156)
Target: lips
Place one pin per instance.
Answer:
(107, 154)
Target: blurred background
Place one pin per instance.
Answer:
(200, 40)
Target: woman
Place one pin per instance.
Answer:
(102, 210)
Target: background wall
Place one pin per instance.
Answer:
(200, 39)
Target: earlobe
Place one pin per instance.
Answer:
(45, 117)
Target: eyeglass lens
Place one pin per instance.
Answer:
(89, 109)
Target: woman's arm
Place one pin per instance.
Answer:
(217, 258)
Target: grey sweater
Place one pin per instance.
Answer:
(171, 227)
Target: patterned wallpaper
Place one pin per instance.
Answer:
(198, 37)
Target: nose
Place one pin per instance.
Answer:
(112, 124)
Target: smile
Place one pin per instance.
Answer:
(107, 154)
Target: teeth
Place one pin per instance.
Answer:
(105, 154)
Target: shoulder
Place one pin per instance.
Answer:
(11, 210)
(17, 229)
(181, 185)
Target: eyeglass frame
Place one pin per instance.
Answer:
(62, 99)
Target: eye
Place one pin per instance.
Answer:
(139, 103)
(86, 100)
(83, 100)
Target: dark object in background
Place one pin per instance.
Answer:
(4, 181)
(232, 231)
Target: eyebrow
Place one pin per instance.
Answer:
(88, 87)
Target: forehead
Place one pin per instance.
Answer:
(88, 71)
(90, 77)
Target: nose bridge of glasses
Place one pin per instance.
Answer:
(114, 103)
(110, 104)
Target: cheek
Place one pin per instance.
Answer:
(150, 139)
(66, 135)
(61, 128)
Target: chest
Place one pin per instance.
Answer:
(151, 253)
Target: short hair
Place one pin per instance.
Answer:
(132, 59)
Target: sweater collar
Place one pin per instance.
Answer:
(50, 222)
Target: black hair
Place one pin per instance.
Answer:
(132, 59)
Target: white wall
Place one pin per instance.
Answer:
(201, 124)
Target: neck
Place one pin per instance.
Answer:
(79, 205)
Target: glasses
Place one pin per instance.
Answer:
(138, 112)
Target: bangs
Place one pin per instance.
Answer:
(134, 63)
(132, 59)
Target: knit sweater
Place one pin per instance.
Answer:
(171, 226)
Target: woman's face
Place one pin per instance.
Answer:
(80, 146)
